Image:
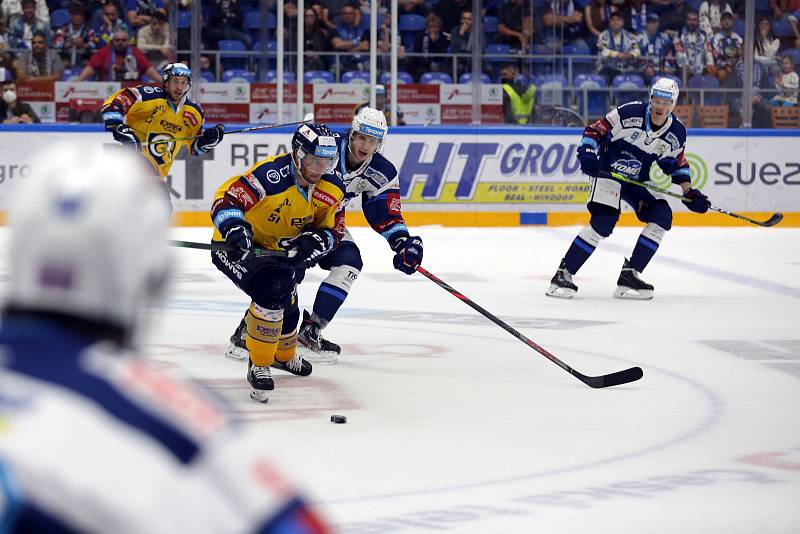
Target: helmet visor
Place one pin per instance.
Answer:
(320, 164)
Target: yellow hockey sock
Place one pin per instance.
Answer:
(286, 347)
(263, 331)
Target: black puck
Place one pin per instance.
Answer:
(338, 419)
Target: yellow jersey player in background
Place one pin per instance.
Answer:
(142, 115)
(286, 202)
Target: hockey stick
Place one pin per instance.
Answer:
(772, 221)
(603, 381)
(308, 118)
(215, 246)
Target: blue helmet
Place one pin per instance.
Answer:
(176, 69)
(315, 139)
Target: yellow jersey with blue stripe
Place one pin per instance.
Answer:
(152, 117)
(268, 198)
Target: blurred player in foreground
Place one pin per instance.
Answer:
(286, 202)
(627, 141)
(92, 437)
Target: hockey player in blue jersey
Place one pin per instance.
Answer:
(627, 141)
(94, 438)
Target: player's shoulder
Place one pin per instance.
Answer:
(380, 171)
(333, 185)
(634, 108)
(148, 93)
(272, 175)
(676, 133)
(194, 107)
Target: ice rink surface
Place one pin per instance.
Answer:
(456, 426)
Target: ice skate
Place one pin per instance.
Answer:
(312, 346)
(561, 285)
(297, 366)
(260, 380)
(237, 348)
(630, 286)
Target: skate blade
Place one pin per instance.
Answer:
(259, 395)
(324, 357)
(236, 353)
(633, 294)
(560, 292)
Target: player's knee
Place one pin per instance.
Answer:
(291, 317)
(658, 213)
(604, 219)
(343, 277)
(273, 288)
(347, 254)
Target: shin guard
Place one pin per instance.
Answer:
(263, 330)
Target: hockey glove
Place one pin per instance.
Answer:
(408, 254)
(697, 201)
(590, 164)
(306, 249)
(239, 240)
(210, 138)
(124, 135)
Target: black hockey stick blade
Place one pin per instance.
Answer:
(216, 245)
(772, 221)
(602, 381)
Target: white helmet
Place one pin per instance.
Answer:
(665, 88)
(372, 122)
(88, 236)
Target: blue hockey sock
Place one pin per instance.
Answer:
(328, 301)
(646, 246)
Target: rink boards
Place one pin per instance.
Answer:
(464, 176)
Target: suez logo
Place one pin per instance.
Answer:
(734, 172)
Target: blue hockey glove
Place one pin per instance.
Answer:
(210, 138)
(239, 240)
(124, 135)
(590, 164)
(408, 253)
(697, 201)
(308, 248)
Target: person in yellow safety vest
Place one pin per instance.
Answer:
(518, 97)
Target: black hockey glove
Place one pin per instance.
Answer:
(210, 138)
(697, 201)
(408, 253)
(309, 247)
(124, 135)
(590, 164)
(239, 239)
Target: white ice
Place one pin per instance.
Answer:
(456, 426)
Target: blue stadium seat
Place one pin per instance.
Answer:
(71, 75)
(208, 76)
(272, 54)
(184, 19)
(706, 82)
(409, 26)
(252, 24)
(467, 78)
(580, 65)
(782, 28)
(628, 87)
(59, 18)
(596, 101)
(402, 77)
(317, 76)
(490, 25)
(271, 76)
(550, 90)
(230, 54)
(355, 76)
(365, 22)
(435, 77)
(238, 75)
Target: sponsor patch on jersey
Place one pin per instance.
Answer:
(255, 184)
(378, 177)
(672, 139)
(125, 100)
(324, 197)
(188, 115)
(632, 122)
(630, 168)
(393, 203)
(168, 126)
(242, 194)
(273, 176)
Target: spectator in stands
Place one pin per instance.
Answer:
(787, 83)
(104, 32)
(451, 11)
(329, 12)
(618, 49)
(348, 37)
(154, 41)
(141, 12)
(635, 14)
(39, 63)
(75, 40)
(710, 13)
(413, 7)
(657, 50)
(23, 26)
(207, 70)
(316, 40)
(766, 47)
(119, 61)
(518, 97)
(225, 23)
(461, 41)
(672, 20)
(727, 49)
(787, 10)
(12, 109)
(596, 15)
(432, 41)
(10, 8)
(562, 24)
(515, 25)
(761, 111)
(693, 46)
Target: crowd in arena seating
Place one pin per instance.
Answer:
(618, 44)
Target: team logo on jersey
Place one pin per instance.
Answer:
(632, 122)
(393, 203)
(273, 176)
(629, 168)
(378, 177)
(672, 139)
(161, 151)
(188, 115)
(240, 193)
(324, 197)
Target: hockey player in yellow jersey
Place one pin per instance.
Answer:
(142, 115)
(287, 202)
